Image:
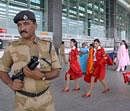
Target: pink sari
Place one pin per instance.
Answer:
(123, 56)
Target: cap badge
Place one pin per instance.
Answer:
(25, 17)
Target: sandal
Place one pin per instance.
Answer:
(86, 95)
(76, 89)
(106, 90)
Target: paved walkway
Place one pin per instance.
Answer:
(118, 99)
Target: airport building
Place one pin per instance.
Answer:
(108, 20)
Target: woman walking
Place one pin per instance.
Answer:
(99, 68)
(122, 56)
(74, 72)
(83, 57)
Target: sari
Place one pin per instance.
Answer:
(83, 59)
(90, 65)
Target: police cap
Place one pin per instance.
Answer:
(24, 15)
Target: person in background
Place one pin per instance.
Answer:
(98, 69)
(122, 56)
(74, 72)
(32, 87)
(62, 54)
(83, 57)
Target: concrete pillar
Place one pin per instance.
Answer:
(50, 15)
(55, 21)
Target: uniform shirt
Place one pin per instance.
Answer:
(62, 49)
(19, 53)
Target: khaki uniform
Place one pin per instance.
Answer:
(62, 55)
(16, 56)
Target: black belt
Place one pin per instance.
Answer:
(30, 94)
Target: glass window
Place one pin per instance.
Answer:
(122, 22)
(90, 5)
(36, 1)
(84, 17)
(95, 7)
(82, 8)
(22, 3)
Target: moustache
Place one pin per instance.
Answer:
(23, 32)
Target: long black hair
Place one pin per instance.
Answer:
(126, 46)
(97, 40)
(92, 45)
(75, 42)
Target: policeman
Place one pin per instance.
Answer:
(33, 93)
(62, 54)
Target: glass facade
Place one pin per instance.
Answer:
(9, 8)
(84, 18)
(89, 18)
(122, 23)
(80, 18)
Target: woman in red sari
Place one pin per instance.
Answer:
(90, 63)
(74, 72)
(99, 68)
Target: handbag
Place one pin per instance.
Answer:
(126, 76)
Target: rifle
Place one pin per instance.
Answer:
(31, 65)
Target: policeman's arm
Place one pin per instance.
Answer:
(38, 75)
(34, 74)
(14, 85)
(51, 75)
(5, 64)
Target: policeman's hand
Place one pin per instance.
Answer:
(35, 74)
(17, 85)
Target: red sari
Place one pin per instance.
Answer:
(90, 65)
(74, 71)
(97, 68)
(100, 64)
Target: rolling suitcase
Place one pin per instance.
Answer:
(126, 76)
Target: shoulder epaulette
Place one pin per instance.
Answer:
(48, 42)
(16, 42)
(44, 40)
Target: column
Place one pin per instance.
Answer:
(55, 21)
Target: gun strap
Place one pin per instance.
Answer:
(46, 61)
(49, 51)
(50, 47)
